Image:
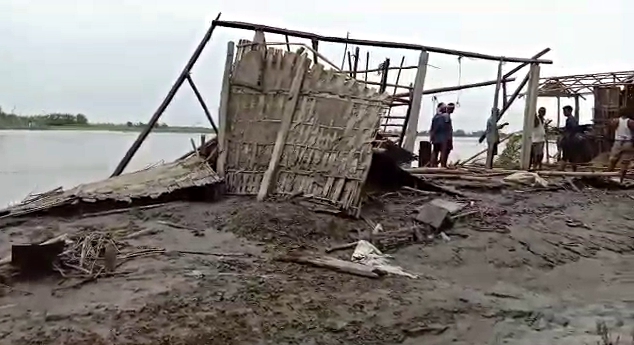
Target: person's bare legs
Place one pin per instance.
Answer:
(562, 165)
(444, 155)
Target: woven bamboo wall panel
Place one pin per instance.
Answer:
(327, 151)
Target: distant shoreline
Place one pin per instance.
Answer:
(112, 128)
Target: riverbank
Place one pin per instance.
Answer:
(518, 270)
(112, 128)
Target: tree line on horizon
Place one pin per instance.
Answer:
(56, 119)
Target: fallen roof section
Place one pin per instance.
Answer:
(582, 84)
(152, 183)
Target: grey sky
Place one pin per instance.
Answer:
(115, 60)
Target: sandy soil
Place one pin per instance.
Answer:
(535, 268)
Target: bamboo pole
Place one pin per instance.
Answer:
(199, 97)
(367, 65)
(416, 102)
(493, 138)
(223, 109)
(455, 88)
(166, 101)
(529, 115)
(485, 150)
(381, 44)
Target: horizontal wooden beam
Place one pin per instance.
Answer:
(382, 44)
(456, 88)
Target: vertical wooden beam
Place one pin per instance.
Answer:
(529, 116)
(315, 45)
(504, 96)
(367, 65)
(225, 92)
(577, 108)
(356, 62)
(288, 43)
(558, 111)
(558, 157)
(493, 133)
(287, 117)
(498, 84)
(416, 102)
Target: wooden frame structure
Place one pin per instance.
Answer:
(578, 85)
(412, 98)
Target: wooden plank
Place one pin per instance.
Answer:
(287, 117)
(530, 110)
(222, 111)
(417, 98)
(333, 264)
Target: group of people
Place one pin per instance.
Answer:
(570, 143)
(441, 134)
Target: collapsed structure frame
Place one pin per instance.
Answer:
(414, 96)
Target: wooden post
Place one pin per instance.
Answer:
(558, 157)
(493, 134)
(225, 92)
(282, 134)
(558, 111)
(315, 44)
(577, 108)
(529, 116)
(411, 130)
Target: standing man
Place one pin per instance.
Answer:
(622, 147)
(538, 139)
(440, 135)
(569, 141)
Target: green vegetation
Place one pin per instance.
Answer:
(62, 121)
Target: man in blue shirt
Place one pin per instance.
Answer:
(441, 135)
(570, 141)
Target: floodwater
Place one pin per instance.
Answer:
(38, 161)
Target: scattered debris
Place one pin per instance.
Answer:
(334, 264)
(526, 178)
(432, 215)
(367, 254)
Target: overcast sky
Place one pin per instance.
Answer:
(115, 60)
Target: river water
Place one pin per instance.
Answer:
(38, 161)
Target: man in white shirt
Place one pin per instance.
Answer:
(622, 147)
(538, 140)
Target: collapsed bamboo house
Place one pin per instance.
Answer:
(295, 123)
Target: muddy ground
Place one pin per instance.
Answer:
(534, 268)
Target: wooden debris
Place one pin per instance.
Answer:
(141, 233)
(342, 247)
(450, 206)
(333, 264)
(110, 257)
(432, 215)
(35, 257)
(426, 329)
(419, 191)
(61, 238)
(122, 210)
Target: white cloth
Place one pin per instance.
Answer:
(538, 134)
(623, 132)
